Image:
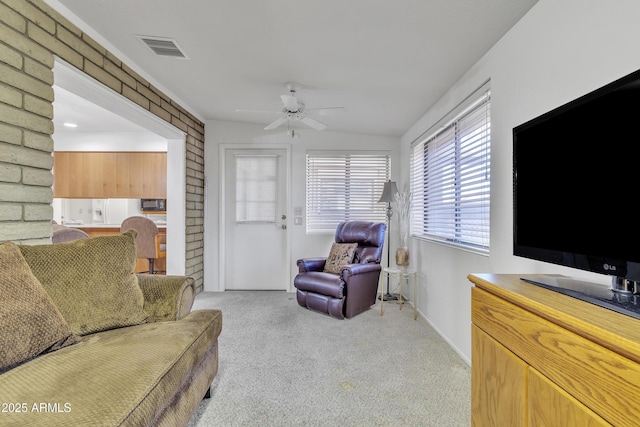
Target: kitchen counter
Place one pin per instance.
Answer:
(161, 226)
(74, 225)
(97, 230)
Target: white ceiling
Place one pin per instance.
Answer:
(89, 117)
(385, 61)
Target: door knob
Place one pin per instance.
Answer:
(284, 226)
(283, 217)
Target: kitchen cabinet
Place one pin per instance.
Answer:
(97, 175)
(540, 358)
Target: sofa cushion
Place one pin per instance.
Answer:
(120, 377)
(91, 281)
(30, 324)
(340, 255)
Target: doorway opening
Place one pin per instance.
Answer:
(78, 83)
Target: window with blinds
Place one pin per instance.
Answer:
(450, 178)
(256, 188)
(345, 186)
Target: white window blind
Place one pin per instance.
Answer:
(256, 188)
(450, 178)
(345, 186)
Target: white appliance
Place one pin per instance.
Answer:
(116, 211)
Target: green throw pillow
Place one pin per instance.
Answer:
(91, 281)
(340, 255)
(30, 324)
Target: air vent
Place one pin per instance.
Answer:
(164, 47)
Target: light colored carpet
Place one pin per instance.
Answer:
(283, 365)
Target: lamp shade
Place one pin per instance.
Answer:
(389, 190)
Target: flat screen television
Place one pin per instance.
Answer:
(576, 183)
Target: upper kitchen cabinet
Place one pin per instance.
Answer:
(91, 175)
(154, 180)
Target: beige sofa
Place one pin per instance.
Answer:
(84, 341)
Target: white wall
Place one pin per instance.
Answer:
(560, 50)
(301, 244)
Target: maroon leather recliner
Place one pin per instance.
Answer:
(352, 291)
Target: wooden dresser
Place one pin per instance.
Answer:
(541, 358)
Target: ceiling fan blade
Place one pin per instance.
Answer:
(276, 123)
(326, 111)
(258, 111)
(290, 102)
(313, 123)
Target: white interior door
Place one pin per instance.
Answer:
(255, 243)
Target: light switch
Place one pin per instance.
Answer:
(297, 220)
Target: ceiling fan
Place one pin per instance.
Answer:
(293, 109)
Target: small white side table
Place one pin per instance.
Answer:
(402, 275)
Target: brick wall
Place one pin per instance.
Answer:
(31, 34)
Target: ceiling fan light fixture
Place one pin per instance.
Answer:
(294, 110)
(290, 103)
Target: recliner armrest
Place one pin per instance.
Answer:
(311, 264)
(353, 269)
(167, 297)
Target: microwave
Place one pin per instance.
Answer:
(153, 205)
